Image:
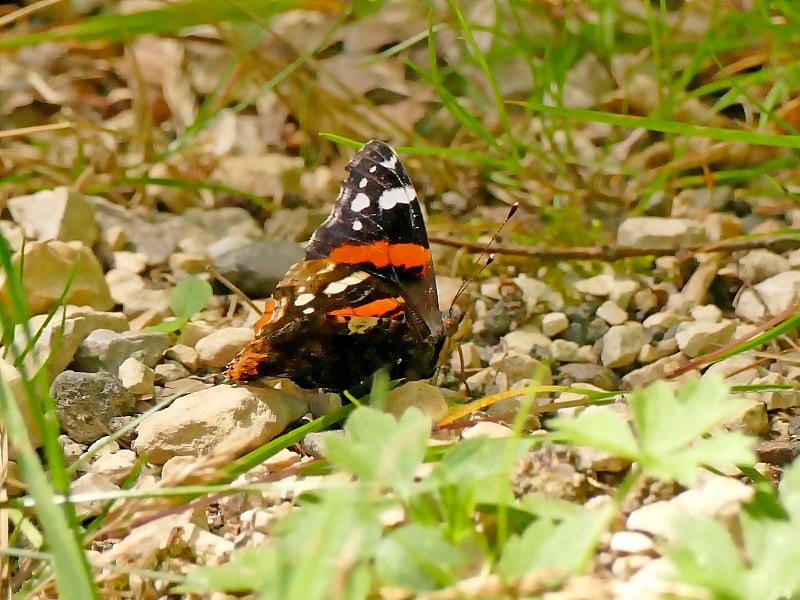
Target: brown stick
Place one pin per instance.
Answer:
(612, 253)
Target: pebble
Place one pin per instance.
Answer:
(652, 352)
(656, 370)
(554, 323)
(660, 233)
(219, 347)
(631, 542)
(699, 337)
(114, 467)
(137, 296)
(86, 402)
(611, 313)
(186, 355)
(91, 483)
(71, 449)
(488, 429)
(722, 226)
(769, 297)
(193, 332)
(539, 297)
(661, 320)
(621, 345)
(623, 291)
(54, 266)
(599, 285)
(136, 376)
(520, 366)
(104, 349)
(760, 264)
(706, 312)
(421, 394)
(199, 422)
(133, 262)
(565, 351)
(597, 375)
(170, 370)
(739, 369)
(58, 214)
(751, 419)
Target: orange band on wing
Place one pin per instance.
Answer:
(384, 254)
(269, 307)
(387, 308)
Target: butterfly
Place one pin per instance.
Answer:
(363, 299)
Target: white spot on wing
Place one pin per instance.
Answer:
(308, 310)
(360, 202)
(357, 225)
(373, 168)
(391, 162)
(363, 183)
(337, 287)
(303, 299)
(327, 268)
(394, 196)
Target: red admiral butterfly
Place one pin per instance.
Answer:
(365, 296)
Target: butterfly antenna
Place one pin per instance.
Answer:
(486, 253)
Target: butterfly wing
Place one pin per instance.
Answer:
(377, 225)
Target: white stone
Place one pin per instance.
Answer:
(186, 355)
(114, 467)
(133, 262)
(137, 377)
(631, 542)
(770, 297)
(599, 285)
(623, 291)
(621, 344)
(661, 320)
(426, 397)
(524, 341)
(760, 264)
(487, 429)
(657, 370)
(611, 313)
(700, 337)
(706, 312)
(91, 483)
(218, 348)
(565, 351)
(554, 323)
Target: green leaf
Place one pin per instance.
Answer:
(379, 449)
(247, 570)
(169, 326)
(478, 459)
(419, 557)
(789, 490)
(515, 561)
(190, 296)
(705, 555)
(666, 421)
(604, 430)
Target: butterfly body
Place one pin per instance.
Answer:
(365, 296)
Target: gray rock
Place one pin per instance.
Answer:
(257, 267)
(621, 345)
(659, 233)
(57, 214)
(597, 375)
(86, 403)
(104, 349)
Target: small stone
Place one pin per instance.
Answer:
(655, 518)
(757, 265)
(623, 291)
(656, 370)
(699, 337)
(600, 461)
(652, 352)
(194, 331)
(170, 370)
(621, 345)
(518, 366)
(101, 447)
(424, 396)
(488, 429)
(631, 542)
(137, 295)
(186, 355)
(91, 483)
(52, 267)
(565, 351)
(645, 301)
(599, 285)
(661, 320)
(751, 419)
(480, 381)
(220, 347)
(57, 214)
(539, 297)
(86, 402)
(71, 449)
(596, 375)
(660, 233)
(114, 467)
(242, 416)
(137, 377)
(706, 312)
(133, 262)
(104, 349)
(776, 399)
(770, 297)
(740, 369)
(611, 313)
(554, 323)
